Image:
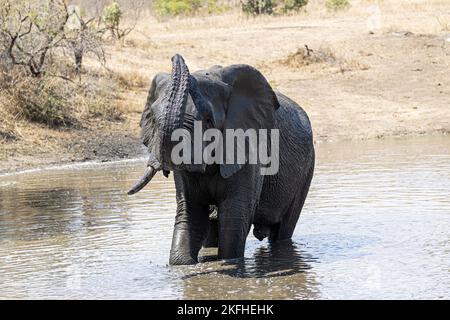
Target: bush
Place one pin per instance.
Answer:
(256, 7)
(111, 16)
(213, 6)
(82, 37)
(44, 101)
(37, 81)
(325, 56)
(337, 4)
(176, 7)
(291, 5)
(186, 7)
(306, 56)
(56, 102)
(31, 32)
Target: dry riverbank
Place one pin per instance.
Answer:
(374, 71)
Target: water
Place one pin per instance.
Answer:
(376, 225)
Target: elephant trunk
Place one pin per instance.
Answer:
(175, 102)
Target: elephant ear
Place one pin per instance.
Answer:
(149, 134)
(159, 82)
(251, 105)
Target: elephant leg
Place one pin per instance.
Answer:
(212, 238)
(237, 209)
(191, 226)
(261, 231)
(236, 212)
(234, 225)
(285, 229)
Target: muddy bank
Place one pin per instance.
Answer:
(102, 143)
(105, 146)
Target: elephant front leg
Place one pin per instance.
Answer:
(236, 211)
(234, 224)
(212, 238)
(191, 226)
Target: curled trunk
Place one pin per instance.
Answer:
(175, 102)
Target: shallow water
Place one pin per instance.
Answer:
(376, 224)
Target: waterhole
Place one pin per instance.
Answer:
(376, 224)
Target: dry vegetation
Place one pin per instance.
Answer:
(377, 68)
(325, 57)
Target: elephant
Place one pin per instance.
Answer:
(226, 98)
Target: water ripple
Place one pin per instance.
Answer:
(376, 224)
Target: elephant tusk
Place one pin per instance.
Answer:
(146, 177)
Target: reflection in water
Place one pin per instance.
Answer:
(376, 224)
(278, 271)
(283, 258)
(280, 259)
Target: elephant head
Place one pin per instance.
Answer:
(233, 97)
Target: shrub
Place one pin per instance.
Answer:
(256, 7)
(57, 102)
(176, 7)
(337, 4)
(213, 6)
(186, 7)
(30, 33)
(82, 37)
(113, 16)
(306, 56)
(286, 6)
(43, 101)
(37, 81)
(325, 56)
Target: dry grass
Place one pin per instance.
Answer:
(444, 22)
(57, 102)
(325, 56)
(131, 79)
(97, 101)
(306, 56)
(381, 81)
(398, 84)
(7, 129)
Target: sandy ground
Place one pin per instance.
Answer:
(376, 70)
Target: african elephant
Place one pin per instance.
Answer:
(226, 98)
